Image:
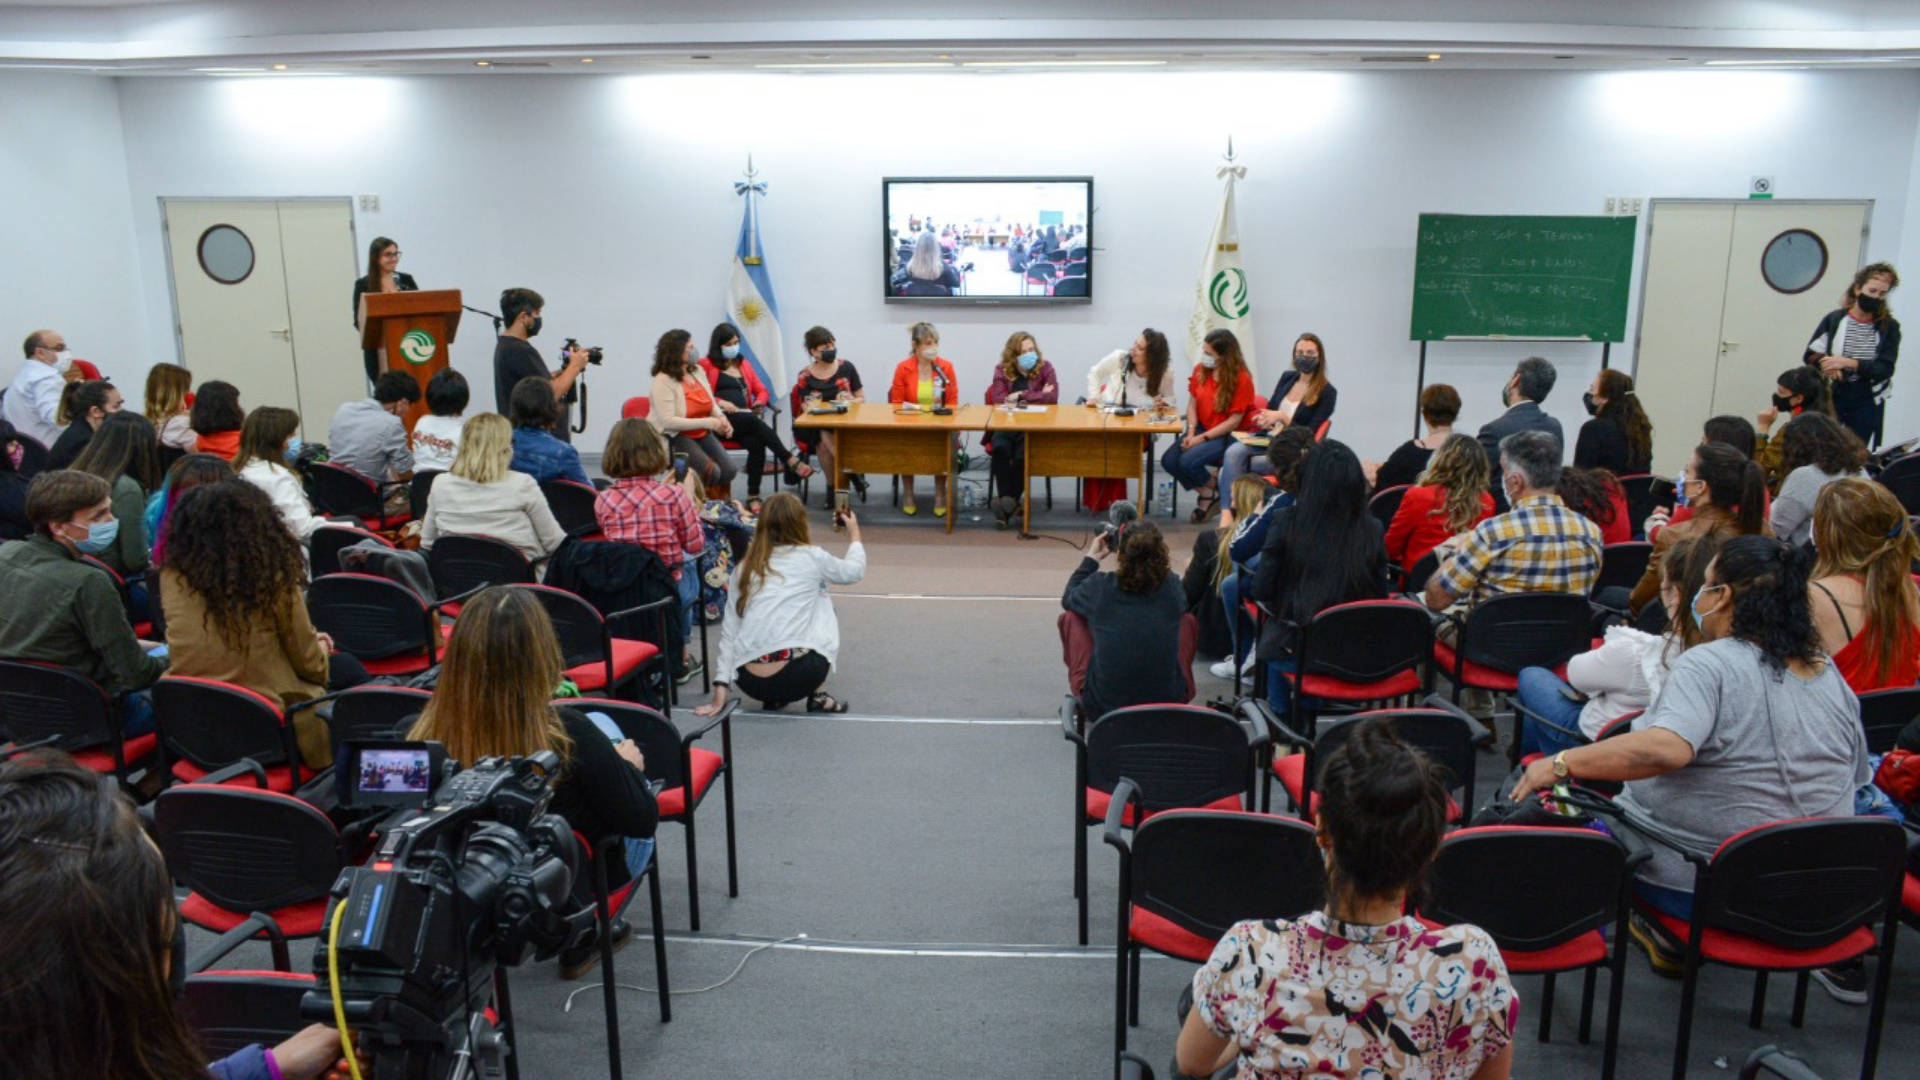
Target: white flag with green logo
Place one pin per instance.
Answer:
(1220, 297)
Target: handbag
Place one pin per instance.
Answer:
(1539, 810)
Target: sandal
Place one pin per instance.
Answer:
(797, 472)
(1206, 505)
(754, 505)
(824, 702)
(859, 481)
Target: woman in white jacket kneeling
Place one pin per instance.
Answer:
(780, 638)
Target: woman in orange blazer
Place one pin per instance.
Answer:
(925, 380)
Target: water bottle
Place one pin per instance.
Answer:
(1163, 498)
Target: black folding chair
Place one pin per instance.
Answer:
(1886, 713)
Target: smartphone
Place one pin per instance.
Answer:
(840, 507)
(607, 727)
(679, 467)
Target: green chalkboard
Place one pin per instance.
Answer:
(1505, 276)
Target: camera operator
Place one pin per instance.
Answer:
(1126, 636)
(515, 358)
(93, 961)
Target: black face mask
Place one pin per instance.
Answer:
(1305, 364)
(1784, 404)
(1506, 397)
(1593, 409)
(828, 356)
(1872, 305)
(533, 328)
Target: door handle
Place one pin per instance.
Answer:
(285, 333)
(1728, 346)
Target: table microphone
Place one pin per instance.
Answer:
(1119, 516)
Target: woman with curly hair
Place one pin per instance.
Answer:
(233, 583)
(1595, 494)
(1818, 450)
(1449, 499)
(1123, 630)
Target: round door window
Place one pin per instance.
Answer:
(226, 254)
(1794, 261)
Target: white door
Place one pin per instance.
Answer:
(254, 284)
(1732, 293)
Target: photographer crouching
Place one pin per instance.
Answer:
(1125, 634)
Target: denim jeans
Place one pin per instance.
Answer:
(136, 714)
(1239, 627)
(1240, 460)
(1541, 691)
(1279, 692)
(689, 584)
(1190, 466)
(1675, 902)
(639, 854)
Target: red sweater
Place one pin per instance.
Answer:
(1420, 525)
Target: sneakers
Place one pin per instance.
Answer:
(693, 671)
(1004, 507)
(585, 956)
(1222, 669)
(1846, 983)
(1663, 953)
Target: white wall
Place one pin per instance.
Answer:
(613, 195)
(70, 258)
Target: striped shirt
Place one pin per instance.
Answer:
(1538, 546)
(1860, 342)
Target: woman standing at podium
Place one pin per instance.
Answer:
(383, 276)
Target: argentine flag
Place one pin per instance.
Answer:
(750, 302)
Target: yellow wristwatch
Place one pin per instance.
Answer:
(1560, 769)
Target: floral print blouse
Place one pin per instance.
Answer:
(1315, 997)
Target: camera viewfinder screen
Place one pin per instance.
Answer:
(404, 772)
(990, 240)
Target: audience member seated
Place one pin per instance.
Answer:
(1023, 378)
(169, 404)
(1284, 997)
(1244, 524)
(482, 495)
(1140, 376)
(216, 418)
(62, 611)
(779, 638)
(13, 486)
(1324, 550)
(126, 454)
(85, 894)
(186, 474)
(1122, 631)
(1522, 397)
(536, 452)
(684, 411)
(1865, 607)
(924, 380)
(436, 436)
(32, 403)
(1733, 431)
(370, 436)
(498, 677)
(1596, 495)
(83, 406)
(1725, 491)
(927, 273)
(1801, 390)
(1619, 438)
(1625, 673)
(1439, 407)
(739, 393)
(825, 379)
(1303, 397)
(1539, 545)
(1816, 451)
(663, 517)
(235, 586)
(268, 444)
(1219, 402)
(1449, 498)
(1754, 725)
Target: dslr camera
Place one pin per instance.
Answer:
(470, 875)
(594, 353)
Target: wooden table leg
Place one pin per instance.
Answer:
(953, 502)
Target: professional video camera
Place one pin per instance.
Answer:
(468, 876)
(595, 354)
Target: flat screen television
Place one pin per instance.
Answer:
(987, 240)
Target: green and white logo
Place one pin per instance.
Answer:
(1228, 293)
(417, 346)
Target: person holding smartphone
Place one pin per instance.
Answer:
(1125, 632)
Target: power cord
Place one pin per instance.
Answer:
(737, 969)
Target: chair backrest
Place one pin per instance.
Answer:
(1178, 755)
(578, 625)
(637, 408)
(1446, 739)
(327, 541)
(1805, 883)
(1622, 564)
(572, 504)
(420, 492)
(1040, 270)
(461, 563)
(916, 287)
(1366, 641)
(1522, 630)
(1528, 888)
(1206, 870)
(33, 457)
(1423, 568)
(337, 489)
(656, 736)
(232, 1010)
(1885, 713)
(1386, 503)
(374, 712)
(246, 850)
(1071, 285)
(1638, 489)
(214, 724)
(44, 701)
(368, 617)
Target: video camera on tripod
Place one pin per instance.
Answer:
(470, 875)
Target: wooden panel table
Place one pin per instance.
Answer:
(1081, 442)
(873, 437)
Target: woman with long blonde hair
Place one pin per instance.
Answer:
(1450, 499)
(169, 405)
(482, 495)
(1865, 606)
(498, 676)
(780, 639)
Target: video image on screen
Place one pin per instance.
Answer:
(398, 771)
(989, 240)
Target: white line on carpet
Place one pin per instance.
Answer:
(852, 718)
(944, 950)
(940, 596)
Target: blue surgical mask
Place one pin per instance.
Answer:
(730, 352)
(1207, 361)
(1699, 616)
(293, 448)
(1028, 361)
(100, 536)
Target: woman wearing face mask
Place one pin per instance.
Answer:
(269, 441)
(740, 395)
(1726, 493)
(1816, 452)
(1856, 347)
(125, 452)
(1801, 390)
(826, 379)
(83, 405)
(1619, 438)
(925, 380)
(1219, 401)
(1302, 398)
(1022, 378)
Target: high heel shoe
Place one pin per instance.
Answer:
(1206, 505)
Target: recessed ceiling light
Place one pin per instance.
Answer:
(865, 65)
(1433, 56)
(944, 56)
(586, 59)
(1061, 63)
(279, 67)
(482, 63)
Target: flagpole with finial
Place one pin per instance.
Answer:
(749, 188)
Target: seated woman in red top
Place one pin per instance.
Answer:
(924, 380)
(1219, 403)
(1022, 378)
(739, 393)
(1865, 606)
(1595, 495)
(1450, 499)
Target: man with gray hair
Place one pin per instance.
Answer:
(1532, 380)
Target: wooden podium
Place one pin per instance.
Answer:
(412, 331)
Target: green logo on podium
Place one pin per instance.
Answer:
(417, 346)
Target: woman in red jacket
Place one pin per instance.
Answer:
(1450, 499)
(738, 392)
(924, 380)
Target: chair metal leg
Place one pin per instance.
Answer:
(1877, 1005)
(693, 874)
(1759, 1010)
(1616, 985)
(1689, 987)
(1800, 999)
(503, 998)
(1546, 1008)
(733, 855)
(706, 656)
(1133, 986)
(1120, 990)
(1586, 1005)
(659, 942)
(610, 994)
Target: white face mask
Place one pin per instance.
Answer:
(1207, 361)
(62, 360)
(929, 352)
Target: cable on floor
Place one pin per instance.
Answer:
(737, 969)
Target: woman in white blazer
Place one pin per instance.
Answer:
(483, 496)
(268, 444)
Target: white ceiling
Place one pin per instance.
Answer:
(158, 37)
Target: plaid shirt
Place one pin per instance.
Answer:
(659, 517)
(1538, 546)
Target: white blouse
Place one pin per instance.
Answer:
(790, 607)
(283, 487)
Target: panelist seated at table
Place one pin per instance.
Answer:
(1023, 377)
(1219, 401)
(924, 380)
(826, 378)
(1303, 397)
(1139, 376)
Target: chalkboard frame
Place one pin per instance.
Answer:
(1604, 319)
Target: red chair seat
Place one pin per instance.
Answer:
(1739, 950)
(1326, 686)
(278, 777)
(412, 663)
(1910, 894)
(100, 759)
(296, 920)
(1479, 676)
(1586, 950)
(1164, 936)
(1292, 770)
(1098, 801)
(706, 765)
(627, 655)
